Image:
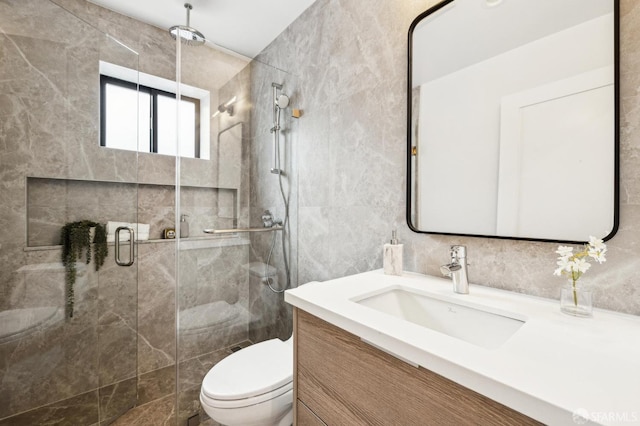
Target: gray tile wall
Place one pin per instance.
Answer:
(270, 316)
(350, 57)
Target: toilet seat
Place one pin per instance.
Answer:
(246, 402)
(255, 374)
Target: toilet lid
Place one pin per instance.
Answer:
(252, 371)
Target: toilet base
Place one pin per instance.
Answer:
(275, 412)
(287, 419)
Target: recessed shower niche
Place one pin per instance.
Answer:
(53, 202)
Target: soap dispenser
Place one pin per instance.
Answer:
(184, 226)
(392, 256)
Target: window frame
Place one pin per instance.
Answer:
(134, 79)
(153, 96)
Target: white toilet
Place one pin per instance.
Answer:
(252, 387)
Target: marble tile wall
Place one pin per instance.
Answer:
(56, 359)
(350, 58)
(79, 410)
(119, 351)
(208, 208)
(270, 315)
(239, 86)
(213, 299)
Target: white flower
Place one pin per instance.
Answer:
(563, 265)
(580, 265)
(565, 251)
(597, 249)
(598, 255)
(597, 244)
(573, 265)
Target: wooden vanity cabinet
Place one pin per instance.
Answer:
(340, 380)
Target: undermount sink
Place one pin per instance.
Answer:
(480, 327)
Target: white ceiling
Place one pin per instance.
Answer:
(242, 26)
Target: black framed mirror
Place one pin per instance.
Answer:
(513, 119)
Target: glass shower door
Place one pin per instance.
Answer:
(68, 331)
(224, 299)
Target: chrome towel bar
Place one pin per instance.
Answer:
(237, 230)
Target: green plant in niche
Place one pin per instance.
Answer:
(76, 242)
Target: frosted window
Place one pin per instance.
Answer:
(121, 129)
(167, 127)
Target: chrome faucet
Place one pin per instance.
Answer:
(457, 269)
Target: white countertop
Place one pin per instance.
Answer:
(553, 366)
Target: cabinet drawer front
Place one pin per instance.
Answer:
(348, 382)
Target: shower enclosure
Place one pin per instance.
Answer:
(139, 337)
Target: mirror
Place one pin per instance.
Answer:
(513, 119)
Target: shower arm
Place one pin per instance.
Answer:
(188, 7)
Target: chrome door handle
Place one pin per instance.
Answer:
(132, 234)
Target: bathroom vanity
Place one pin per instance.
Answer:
(379, 349)
(342, 380)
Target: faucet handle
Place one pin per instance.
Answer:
(457, 269)
(458, 252)
(449, 269)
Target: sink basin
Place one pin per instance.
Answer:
(480, 327)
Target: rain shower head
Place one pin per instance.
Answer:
(188, 35)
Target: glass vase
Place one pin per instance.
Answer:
(576, 301)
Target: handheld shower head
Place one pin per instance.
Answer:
(282, 101)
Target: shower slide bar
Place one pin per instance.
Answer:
(237, 230)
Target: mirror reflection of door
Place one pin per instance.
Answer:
(513, 116)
